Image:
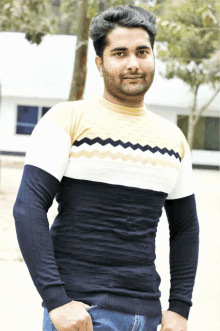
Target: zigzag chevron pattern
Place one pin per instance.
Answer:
(126, 145)
(115, 156)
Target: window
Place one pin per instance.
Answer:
(207, 133)
(212, 134)
(44, 110)
(27, 118)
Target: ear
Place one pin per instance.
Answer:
(98, 62)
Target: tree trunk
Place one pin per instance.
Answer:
(192, 121)
(195, 116)
(79, 73)
(191, 130)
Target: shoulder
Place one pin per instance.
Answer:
(65, 114)
(171, 133)
(66, 109)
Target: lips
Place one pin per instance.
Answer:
(132, 77)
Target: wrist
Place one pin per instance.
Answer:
(55, 297)
(179, 307)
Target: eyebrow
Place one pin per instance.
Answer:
(122, 49)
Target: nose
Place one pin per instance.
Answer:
(132, 63)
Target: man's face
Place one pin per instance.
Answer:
(127, 65)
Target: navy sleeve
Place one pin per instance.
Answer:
(35, 196)
(184, 249)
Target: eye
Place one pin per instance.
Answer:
(119, 54)
(143, 53)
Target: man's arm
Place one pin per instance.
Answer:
(45, 164)
(184, 248)
(180, 207)
(34, 198)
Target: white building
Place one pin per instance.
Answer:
(34, 78)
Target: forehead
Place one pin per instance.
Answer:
(122, 36)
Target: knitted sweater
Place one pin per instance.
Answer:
(112, 169)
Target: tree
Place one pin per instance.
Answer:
(87, 11)
(33, 17)
(37, 18)
(79, 73)
(189, 30)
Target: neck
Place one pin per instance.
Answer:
(134, 102)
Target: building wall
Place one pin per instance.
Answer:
(206, 158)
(9, 140)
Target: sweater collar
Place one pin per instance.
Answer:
(122, 109)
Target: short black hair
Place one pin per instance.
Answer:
(120, 16)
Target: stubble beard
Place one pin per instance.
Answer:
(132, 88)
(126, 90)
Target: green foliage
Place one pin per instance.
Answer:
(158, 9)
(68, 14)
(69, 11)
(37, 18)
(28, 16)
(190, 32)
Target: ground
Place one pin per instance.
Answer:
(20, 304)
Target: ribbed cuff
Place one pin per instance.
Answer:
(179, 307)
(55, 297)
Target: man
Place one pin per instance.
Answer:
(112, 165)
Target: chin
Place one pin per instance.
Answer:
(135, 92)
(134, 89)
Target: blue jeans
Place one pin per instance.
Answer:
(108, 320)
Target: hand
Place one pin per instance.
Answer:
(172, 321)
(71, 317)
